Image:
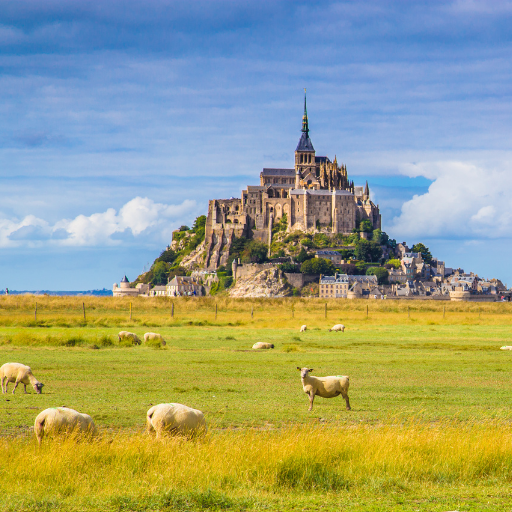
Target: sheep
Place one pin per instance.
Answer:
(153, 336)
(303, 328)
(175, 419)
(125, 335)
(260, 345)
(507, 347)
(16, 372)
(337, 327)
(325, 387)
(58, 420)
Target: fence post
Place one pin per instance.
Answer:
(215, 311)
(366, 310)
(325, 310)
(35, 313)
(83, 307)
(130, 310)
(252, 312)
(408, 311)
(293, 311)
(172, 309)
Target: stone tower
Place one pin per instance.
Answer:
(305, 152)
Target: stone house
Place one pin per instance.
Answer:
(126, 290)
(334, 256)
(181, 286)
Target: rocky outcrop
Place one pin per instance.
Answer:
(267, 283)
(195, 258)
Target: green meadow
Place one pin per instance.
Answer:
(430, 390)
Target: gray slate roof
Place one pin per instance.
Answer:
(305, 143)
(278, 172)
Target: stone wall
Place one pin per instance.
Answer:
(300, 280)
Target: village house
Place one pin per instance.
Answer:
(126, 290)
(181, 286)
(334, 256)
(347, 286)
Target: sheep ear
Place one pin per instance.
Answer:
(298, 368)
(310, 370)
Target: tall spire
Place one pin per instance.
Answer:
(305, 127)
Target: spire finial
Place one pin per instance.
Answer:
(305, 127)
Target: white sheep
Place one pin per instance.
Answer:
(337, 328)
(261, 345)
(303, 328)
(59, 420)
(506, 348)
(125, 335)
(153, 336)
(16, 372)
(175, 419)
(325, 387)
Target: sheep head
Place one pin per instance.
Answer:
(304, 372)
(38, 386)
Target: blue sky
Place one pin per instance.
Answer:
(119, 120)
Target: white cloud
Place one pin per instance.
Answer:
(464, 201)
(140, 217)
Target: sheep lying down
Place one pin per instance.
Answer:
(175, 419)
(62, 420)
(262, 346)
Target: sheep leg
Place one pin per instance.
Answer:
(4, 390)
(345, 396)
(15, 386)
(25, 386)
(311, 398)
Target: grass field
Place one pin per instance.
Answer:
(430, 390)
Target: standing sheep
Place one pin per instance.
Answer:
(325, 387)
(260, 345)
(16, 372)
(337, 328)
(57, 420)
(175, 419)
(153, 336)
(130, 336)
(303, 328)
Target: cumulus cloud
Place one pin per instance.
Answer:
(464, 201)
(139, 218)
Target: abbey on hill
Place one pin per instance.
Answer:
(316, 195)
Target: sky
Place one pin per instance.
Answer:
(120, 119)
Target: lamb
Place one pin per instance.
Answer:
(57, 420)
(325, 387)
(153, 336)
(16, 372)
(337, 327)
(303, 328)
(175, 419)
(260, 345)
(125, 335)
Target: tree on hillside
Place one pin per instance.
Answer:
(365, 226)
(381, 273)
(318, 266)
(167, 256)
(255, 252)
(159, 273)
(349, 269)
(303, 256)
(425, 253)
(368, 251)
(380, 237)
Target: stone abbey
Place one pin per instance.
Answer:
(315, 196)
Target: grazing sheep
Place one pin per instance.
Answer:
(16, 372)
(506, 348)
(303, 328)
(175, 419)
(58, 420)
(337, 327)
(125, 335)
(326, 387)
(260, 345)
(153, 336)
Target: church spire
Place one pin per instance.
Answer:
(305, 127)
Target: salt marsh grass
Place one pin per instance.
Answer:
(254, 469)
